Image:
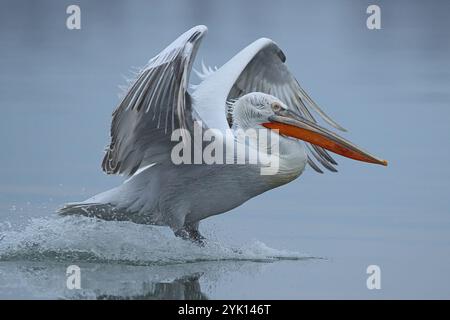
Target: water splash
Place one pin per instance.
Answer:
(90, 240)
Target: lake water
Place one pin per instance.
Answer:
(313, 238)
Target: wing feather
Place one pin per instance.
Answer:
(140, 128)
(267, 72)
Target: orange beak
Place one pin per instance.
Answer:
(311, 132)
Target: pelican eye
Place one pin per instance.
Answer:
(276, 107)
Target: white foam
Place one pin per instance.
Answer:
(91, 240)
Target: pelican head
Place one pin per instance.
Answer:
(256, 110)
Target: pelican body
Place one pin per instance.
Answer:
(253, 90)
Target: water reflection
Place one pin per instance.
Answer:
(184, 288)
(47, 280)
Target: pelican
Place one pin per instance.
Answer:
(253, 90)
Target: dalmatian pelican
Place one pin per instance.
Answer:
(253, 90)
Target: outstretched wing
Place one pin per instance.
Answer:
(155, 105)
(261, 67)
